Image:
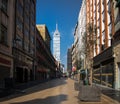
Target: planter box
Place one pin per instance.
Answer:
(89, 93)
(76, 86)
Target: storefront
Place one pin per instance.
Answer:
(103, 68)
(5, 69)
(23, 67)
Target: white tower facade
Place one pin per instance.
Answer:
(56, 44)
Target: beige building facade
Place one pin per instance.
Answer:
(44, 33)
(102, 15)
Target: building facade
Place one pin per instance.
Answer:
(7, 11)
(103, 65)
(75, 57)
(56, 44)
(46, 64)
(81, 35)
(69, 60)
(101, 16)
(24, 40)
(45, 34)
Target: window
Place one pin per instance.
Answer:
(32, 51)
(26, 46)
(3, 35)
(26, 6)
(19, 24)
(26, 19)
(32, 16)
(19, 40)
(32, 27)
(4, 5)
(26, 32)
(32, 4)
(32, 39)
(20, 8)
(37, 45)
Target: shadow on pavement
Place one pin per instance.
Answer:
(39, 87)
(48, 100)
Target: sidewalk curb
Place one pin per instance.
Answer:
(109, 99)
(106, 87)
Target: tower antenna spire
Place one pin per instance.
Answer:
(56, 26)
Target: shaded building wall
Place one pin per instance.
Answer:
(46, 66)
(24, 40)
(69, 60)
(6, 32)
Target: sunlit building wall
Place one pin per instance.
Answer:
(75, 48)
(81, 34)
(101, 14)
(45, 34)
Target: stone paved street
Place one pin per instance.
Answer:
(58, 91)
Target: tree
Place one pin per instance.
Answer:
(90, 42)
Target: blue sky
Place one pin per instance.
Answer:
(65, 14)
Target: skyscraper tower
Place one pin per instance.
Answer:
(56, 44)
